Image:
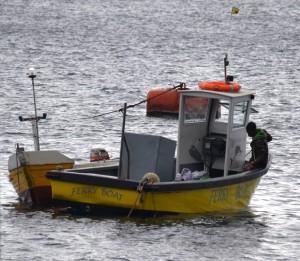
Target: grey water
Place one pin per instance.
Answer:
(93, 56)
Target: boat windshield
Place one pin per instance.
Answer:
(195, 110)
(239, 114)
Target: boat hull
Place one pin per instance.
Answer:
(97, 194)
(27, 173)
(31, 184)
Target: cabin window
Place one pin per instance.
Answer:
(195, 110)
(239, 114)
(222, 111)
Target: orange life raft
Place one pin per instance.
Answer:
(219, 86)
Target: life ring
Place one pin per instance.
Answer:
(219, 86)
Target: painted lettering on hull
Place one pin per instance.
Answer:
(218, 195)
(86, 190)
(111, 194)
(222, 194)
(242, 192)
(91, 190)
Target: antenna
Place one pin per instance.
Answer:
(228, 78)
(226, 63)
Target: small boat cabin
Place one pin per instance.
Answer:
(212, 131)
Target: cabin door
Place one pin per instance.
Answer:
(236, 136)
(193, 123)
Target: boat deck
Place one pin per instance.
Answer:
(106, 163)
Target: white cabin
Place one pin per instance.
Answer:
(212, 131)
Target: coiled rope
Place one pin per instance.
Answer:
(140, 190)
(149, 178)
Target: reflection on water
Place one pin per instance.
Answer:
(215, 234)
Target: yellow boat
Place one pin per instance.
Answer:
(27, 169)
(100, 194)
(207, 174)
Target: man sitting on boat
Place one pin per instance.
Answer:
(259, 145)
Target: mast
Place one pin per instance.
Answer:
(34, 120)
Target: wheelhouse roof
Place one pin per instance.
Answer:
(217, 94)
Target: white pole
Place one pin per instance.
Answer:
(34, 121)
(35, 134)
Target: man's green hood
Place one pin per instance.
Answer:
(260, 135)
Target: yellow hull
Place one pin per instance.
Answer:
(202, 200)
(27, 173)
(31, 184)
